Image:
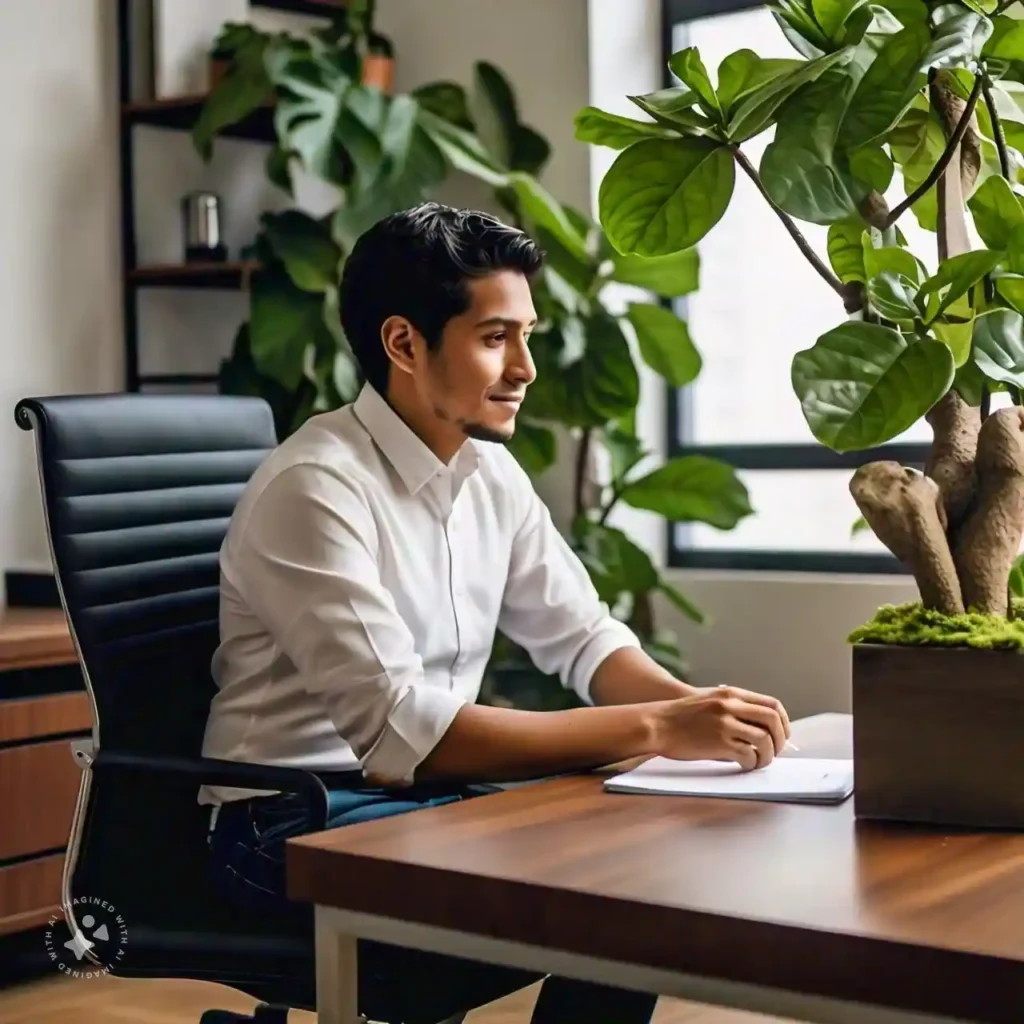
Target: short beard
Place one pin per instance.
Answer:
(479, 432)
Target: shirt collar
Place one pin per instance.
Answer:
(412, 460)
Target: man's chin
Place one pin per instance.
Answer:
(495, 435)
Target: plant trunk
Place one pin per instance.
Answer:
(958, 526)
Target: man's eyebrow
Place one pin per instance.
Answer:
(503, 321)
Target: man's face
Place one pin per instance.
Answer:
(477, 378)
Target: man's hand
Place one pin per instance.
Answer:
(723, 723)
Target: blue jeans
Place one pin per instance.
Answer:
(247, 858)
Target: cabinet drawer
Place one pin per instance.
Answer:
(30, 893)
(38, 789)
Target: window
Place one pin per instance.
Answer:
(742, 408)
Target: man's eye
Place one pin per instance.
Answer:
(496, 339)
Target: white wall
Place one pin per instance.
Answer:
(60, 327)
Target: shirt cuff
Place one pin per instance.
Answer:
(414, 727)
(612, 636)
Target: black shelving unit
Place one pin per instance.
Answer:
(177, 114)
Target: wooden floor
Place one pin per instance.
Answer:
(121, 1001)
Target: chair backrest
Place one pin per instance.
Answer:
(138, 491)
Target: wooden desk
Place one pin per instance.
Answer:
(782, 909)
(43, 706)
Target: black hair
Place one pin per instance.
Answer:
(416, 264)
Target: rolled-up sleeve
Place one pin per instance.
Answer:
(550, 606)
(307, 565)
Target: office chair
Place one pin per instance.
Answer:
(137, 494)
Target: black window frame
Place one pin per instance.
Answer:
(809, 456)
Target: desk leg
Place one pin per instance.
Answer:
(337, 974)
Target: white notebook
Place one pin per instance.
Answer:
(785, 780)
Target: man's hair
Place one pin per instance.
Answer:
(417, 264)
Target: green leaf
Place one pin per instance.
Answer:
(659, 197)
(802, 170)
(314, 117)
(447, 100)
(606, 376)
(1011, 289)
(692, 489)
(687, 66)
(997, 211)
(891, 259)
(1016, 581)
(1007, 39)
(625, 451)
(744, 71)
(999, 346)
(908, 12)
(832, 15)
(917, 143)
(796, 15)
(541, 208)
(665, 343)
(530, 150)
(846, 249)
(603, 129)
(756, 112)
(955, 329)
(862, 385)
(673, 108)
(304, 245)
(892, 295)
(615, 563)
(959, 35)
(969, 383)
(871, 166)
(860, 525)
(682, 602)
(668, 276)
(243, 89)
(492, 104)
(279, 170)
(462, 150)
(285, 321)
(955, 277)
(533, 446)
(887, 89)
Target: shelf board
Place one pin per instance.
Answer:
(228, 276)
(319, 8)
(180, 113)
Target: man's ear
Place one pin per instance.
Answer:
(398, 336)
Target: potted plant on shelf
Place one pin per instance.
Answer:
(932, 91)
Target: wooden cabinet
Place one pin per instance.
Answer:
(43, 707)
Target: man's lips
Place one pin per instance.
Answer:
(510, 399)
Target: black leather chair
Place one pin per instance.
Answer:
(137, 493)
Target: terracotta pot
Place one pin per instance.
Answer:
(379, 72)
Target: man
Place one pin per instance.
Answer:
(373, 556)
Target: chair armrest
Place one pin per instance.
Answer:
(211, 771)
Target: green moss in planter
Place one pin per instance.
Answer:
(913, 625)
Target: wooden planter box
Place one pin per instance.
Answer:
(938, 735)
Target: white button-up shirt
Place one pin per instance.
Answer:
(362, 581)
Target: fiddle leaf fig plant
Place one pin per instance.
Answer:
(888, 110)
